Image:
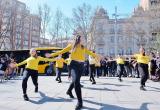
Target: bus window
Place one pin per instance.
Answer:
(42, 62)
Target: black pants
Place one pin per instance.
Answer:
(98, 71)
(76, 72)
(137, 71)
(92, 72)
(143, 70)
(120, 70)
(58, 72)
(69, 70)
(104, 70)
(26, 74)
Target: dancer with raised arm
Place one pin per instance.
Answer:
(31, 70)
(143, 61)
(77, 57)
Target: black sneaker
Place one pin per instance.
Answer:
(144, 85)
(70, 94)
(94, 82)
(36, 89)
(142, 88)
(90, 79)
(120, 79)
(59, 81)
(78, 106)
(81, 85)
(25, 97)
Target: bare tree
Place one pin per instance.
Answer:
(82, 19)
(7, 16)
(56, 28)
(67, 27)
(155, 42)
(45, 15)
(92, 38)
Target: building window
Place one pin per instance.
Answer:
(154, 2)
(112, 31)
(129, 51)
(100, 51)
(119, 39)
(34, 44)
(100, 28)
(112, 39)
(26, 43)
(111, 51)
(119, 31)
(120, 51)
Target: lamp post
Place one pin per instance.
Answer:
(115, 30)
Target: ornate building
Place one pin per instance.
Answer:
(110, 37)
(18, 28)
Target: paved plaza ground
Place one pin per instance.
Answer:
(107, 94)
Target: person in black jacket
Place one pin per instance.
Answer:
(103, 67)
(153, 66)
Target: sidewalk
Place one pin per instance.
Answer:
(107, 94)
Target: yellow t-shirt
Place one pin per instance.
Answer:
(78, 54)
(142, 59)
(32, 62)
(68, 61)
(60, 62)
(120, 61)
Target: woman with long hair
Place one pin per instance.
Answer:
(77, 57)
(31, 70)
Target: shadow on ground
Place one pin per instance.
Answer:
(45, 99)
(117, 85)
(100, 89)
(104, 106)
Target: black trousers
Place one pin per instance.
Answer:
(92, 72)
(143, 70)
(137, 70)
(76, 72)
(120, 70)
(58, 72)
(69, 70)
(26, 74)
(98, 71)
(104, 70)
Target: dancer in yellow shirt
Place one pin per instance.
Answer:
(92, 69)
(120, 66)
(68, 61)
(77, 57)
(31, 69)
(59, 66)
(143, 61)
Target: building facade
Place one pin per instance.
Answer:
(18, 28)
(111, 37)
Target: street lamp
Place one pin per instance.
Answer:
(115, 30)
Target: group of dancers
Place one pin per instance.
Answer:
(76, 64)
